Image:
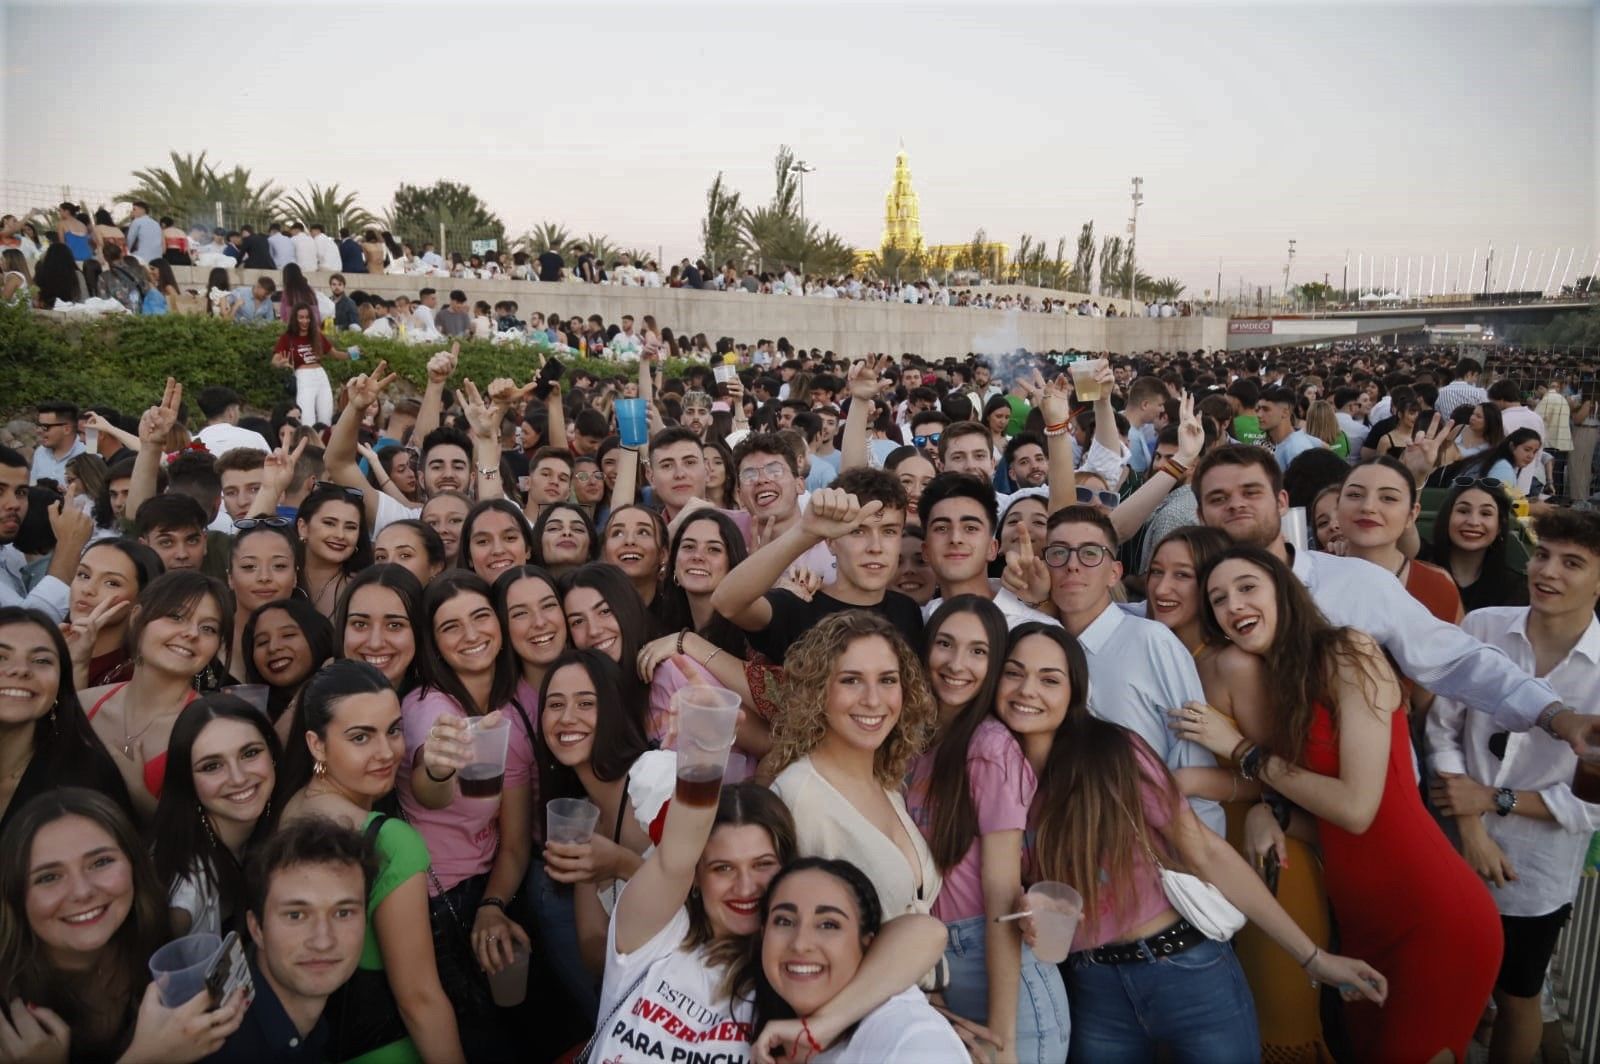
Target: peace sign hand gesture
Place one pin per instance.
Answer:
(157, 422)
(363, 390)
(1191, 433)
(1422, 453)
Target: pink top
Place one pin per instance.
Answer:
(1002, 785)
(463, 836)
(678, 671)
(1143, 899)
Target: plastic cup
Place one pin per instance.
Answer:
(1056, 910)
(1083, 379)
(254, 693)
(179, 968)
(707, 717)
(1294, 528)
(570, 820)
(485, 774)
(632, 424)
(509, 986)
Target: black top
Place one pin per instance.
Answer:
(550, 266)
(793, 616)
(89, 767)
(345, 313)
(257, 252)
(268, 1036)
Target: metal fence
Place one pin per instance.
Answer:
(1575, 973)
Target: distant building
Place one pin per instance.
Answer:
(902, 220)
(902, 230)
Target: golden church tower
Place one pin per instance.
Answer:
(902, 222)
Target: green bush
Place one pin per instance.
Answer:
(124, 361)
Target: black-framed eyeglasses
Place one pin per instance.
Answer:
(42, 425)
(923, 441)
(245, 524)
(1492, 483)
(1090, 555)
(1108, 499)
(328, 485)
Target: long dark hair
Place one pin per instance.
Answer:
(178, 592)
(402, 582)
(25, 970)
(770, 1005)
(1495, 567)
(953, 815)
(1479, 464)
(435, 673)
(319, 700)
(321, 496)
(619, 734)
(297, 292)
(64, 741)
(674, 600)
(730, 481)
(184, 842)
(318, 632)
(1306, 653)
(747, 804)
(505, 506)
(502, 588)
(1089, 809)
(637, 625)
(536, 550)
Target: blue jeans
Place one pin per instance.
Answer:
(1042, 1020)
(1196, 1002)
(556, 917)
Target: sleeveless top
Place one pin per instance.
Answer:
(155, 769)
(78, 244)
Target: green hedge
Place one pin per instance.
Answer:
(124, 361)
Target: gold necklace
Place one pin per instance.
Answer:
(131, 746)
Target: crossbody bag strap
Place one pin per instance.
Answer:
(588, 1050)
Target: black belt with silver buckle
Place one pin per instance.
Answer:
(1164, 943)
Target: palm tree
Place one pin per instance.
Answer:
(546, 236)
(1019, 264)
(894, 264)
(720, 229)
(1083, 262)
(602, 247)
(191, 189)
(1168, 288)
(334, 209)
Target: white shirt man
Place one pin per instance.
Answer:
(305, 250)
(328, 258)
(282, 249)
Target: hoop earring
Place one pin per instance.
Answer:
(319, 770)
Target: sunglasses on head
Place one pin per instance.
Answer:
(328, 485)
(1108, 499)
(245, 524)
(1492, 483)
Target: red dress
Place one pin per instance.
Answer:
(1407, 904)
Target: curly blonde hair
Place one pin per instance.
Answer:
(802, 697)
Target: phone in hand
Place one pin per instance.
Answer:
(1270, 869)
(229, 972)
(551, 373)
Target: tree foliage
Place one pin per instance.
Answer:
(720, 235)
(332, 207)
(189, 190)
(546, 236)
(419, 211)
(1083, 261)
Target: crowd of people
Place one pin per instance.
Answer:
(97, 247)
(1161, 636)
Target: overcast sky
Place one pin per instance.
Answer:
(1370, 129)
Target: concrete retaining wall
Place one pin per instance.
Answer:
(843, 326)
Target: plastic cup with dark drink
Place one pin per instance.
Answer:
(179, 968)
(570, 820)
(633, 424)
(706, 720)
(254, 693)
(509, 986)
(485, 774)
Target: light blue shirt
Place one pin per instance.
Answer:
(1293, 446)
(144, 239)
(49, 597)
(47, 466)
(282, 250)
(249, 308)
(1138, 671)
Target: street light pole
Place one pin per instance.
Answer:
(801, 167)
(1286, 267)
(1133, 237)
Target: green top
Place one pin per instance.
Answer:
(1247, 429)
(401, 855)
(1019, 414)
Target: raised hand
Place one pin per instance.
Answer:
(1422, 453)
(157, 422)
(483, 418)
(448, 747)
(1055, 400)
(277, 472)
(863, 378)
(832, 512)
(364, 390)
(442, 366)
(71, 528)
(1191, 433)
(1026, 574)
(82, 632)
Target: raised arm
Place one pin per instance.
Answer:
(154, 428)
(557, 415)
(1055, 403)
(1135, 510)
(483, 418)
(441, 367)
(741, 597)
(862, 381)
(661, 885)
(340, 458)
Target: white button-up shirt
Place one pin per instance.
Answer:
(1011, 607)
(1138, 670)
(48, 596)
(46, 466)
(1547, 855)
(1441, 657)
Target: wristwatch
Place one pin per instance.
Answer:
(1505, 800)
